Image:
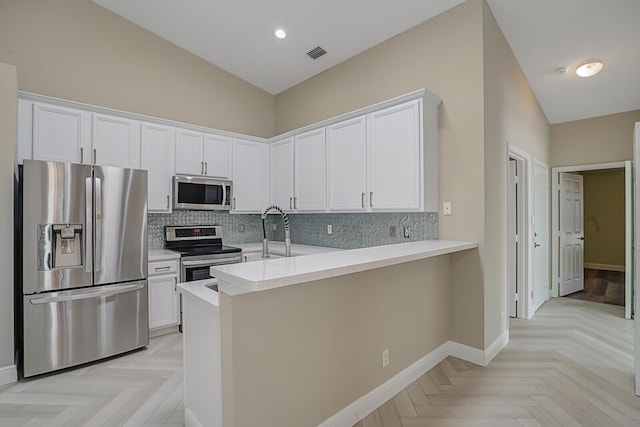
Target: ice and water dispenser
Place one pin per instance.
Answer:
(60, 246)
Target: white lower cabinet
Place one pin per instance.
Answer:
(164, 304)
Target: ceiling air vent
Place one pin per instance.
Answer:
(316, 52)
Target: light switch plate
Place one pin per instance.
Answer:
(446, 208)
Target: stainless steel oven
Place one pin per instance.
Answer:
(197, 267)
(200, 248)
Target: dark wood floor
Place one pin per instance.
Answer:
(602, 286)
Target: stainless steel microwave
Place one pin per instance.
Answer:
(201, 193)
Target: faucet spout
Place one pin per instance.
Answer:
(287, 232)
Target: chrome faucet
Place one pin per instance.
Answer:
(287, 234)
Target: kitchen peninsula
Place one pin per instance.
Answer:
(300, 340)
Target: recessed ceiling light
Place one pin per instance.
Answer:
(280, 33)
(589, 68)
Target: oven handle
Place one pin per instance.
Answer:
(212, 262)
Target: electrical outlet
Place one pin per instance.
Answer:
(385, 358)
(329, 229)
(241, 228)
(407, 231)
(446, 208)
(275, 227)
(392, 231)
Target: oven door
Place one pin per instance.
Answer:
(197, 267)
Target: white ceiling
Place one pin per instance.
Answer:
(237, 35)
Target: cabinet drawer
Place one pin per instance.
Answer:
(163, 267)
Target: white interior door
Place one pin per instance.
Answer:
(571, 234)
(629, 272)
(541, 235)
(636, 353)
(512, 214)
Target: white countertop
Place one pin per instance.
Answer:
(198, 289)
(278, 248)
(161, 255)
(236, 279)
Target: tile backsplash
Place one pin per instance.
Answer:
(350, 230)
(357, 230)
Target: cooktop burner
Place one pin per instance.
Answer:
(197, 240)
(206, 250)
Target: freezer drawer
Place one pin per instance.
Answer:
(68, 328)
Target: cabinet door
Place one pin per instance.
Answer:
(347, 165)
(116, 141)
(189, 153)
(163, 301)
(61, 134)
(310, 171)
(156, 156)
(394, 155)
(217, 156)
(250, 176)
(281, 167)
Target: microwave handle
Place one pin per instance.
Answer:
(224, 194)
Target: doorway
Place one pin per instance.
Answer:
(592, 233)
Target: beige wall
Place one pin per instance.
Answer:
(8, 136)
(295, 356)
(443, 55)
(597, 140)
(76, 50)
(604, 217)
(512, 116)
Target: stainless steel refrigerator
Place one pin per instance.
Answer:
(84, 264)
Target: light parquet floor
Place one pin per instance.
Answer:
(143, 388)
(571, 365)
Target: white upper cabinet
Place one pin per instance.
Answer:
(60, 134)
(189, 159)
(394, 152)
(157, 148)
(347, 165)
(116, 141)
(250, 176)
(203, 154)
(217, 156)
(310, 171)
(281, 168)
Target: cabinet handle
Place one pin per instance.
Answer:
(371, 199)
(166, 268)
(295, 203)
(290, 202)
(175, 284)
(234, 203)
(167, 201)
(95, 156)
(206, 168)
(363, 200)
(81, 154)
(201, 168)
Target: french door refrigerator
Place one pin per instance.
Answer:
(84, 264)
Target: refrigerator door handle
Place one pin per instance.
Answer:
(98, 224)
(88, 232)
(92, 293)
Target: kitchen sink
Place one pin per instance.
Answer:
(213, 287)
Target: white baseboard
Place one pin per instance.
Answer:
(8, 374)
(363, 406)
(608, 267)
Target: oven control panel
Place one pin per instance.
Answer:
(193, 232)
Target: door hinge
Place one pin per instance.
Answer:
(517, 299)
(517, 238)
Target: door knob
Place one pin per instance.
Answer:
(536, 245)
(581, 238)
